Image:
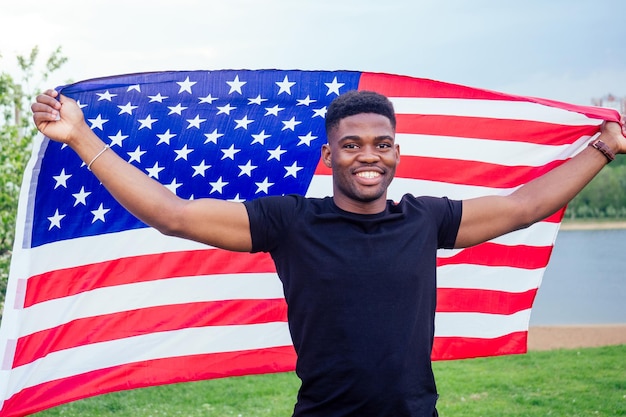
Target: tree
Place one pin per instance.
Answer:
(16, 137)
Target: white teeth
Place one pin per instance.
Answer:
(368, 174)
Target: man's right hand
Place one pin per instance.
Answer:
(58, 119)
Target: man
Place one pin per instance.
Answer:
(358, 271)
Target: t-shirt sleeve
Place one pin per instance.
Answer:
(269, 220)
(450, 212)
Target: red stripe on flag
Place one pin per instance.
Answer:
(148, 373)
(493, 129)
(469, 300)
(447, 348)
(493, 254)
(147, 320)
(403, 86)
(70, 281)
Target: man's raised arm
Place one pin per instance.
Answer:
(214, 222)
(485, 218)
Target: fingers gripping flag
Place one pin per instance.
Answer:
(99, 302)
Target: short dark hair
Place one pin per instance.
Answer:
(356, 102)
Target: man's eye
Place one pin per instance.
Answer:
(350, 146)
(384, 145)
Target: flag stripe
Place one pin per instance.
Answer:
(483, 301)
(149, 373)
(494, 129)
(493, 108)
(193, 289)
(83, 331)
(146, 347)
(484, 150)
(446, 348)
(64, 282)
(526, 257)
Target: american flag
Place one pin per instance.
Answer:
(99, 302)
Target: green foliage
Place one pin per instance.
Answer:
(577, 382)
(16, 135)
(604, 197)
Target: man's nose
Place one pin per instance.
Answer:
(369, 154)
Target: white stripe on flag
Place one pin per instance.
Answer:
(189, 341)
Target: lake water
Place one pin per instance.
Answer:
(585, 282)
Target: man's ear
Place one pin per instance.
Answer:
(326, 155)
(397, 153)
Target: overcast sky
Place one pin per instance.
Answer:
(568, 50)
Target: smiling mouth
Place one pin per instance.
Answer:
(368, 174)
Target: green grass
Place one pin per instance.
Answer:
(579, 382)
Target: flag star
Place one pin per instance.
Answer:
(258, 100)
(260, 138)
(285, 85)
(225, 109)
(235, 85)
(178, 109)
(154, 171)
(213, 136)
(293, 170)
(172, 186)
(263, 186)
(183, 153)
(273, 110)
(55, 221)
(128, 108)
(276, 153)
(147, 122)
(118, 138)
(61, 179)
(290, 124)
(306, 139)
(246, 169)
(97, 122)
(136, 155)
(230, 152)
(306, 101)
(200, 169)
(208, 99)
(320, 112)
(237, 199)
(158, 98)
(105, 96)
(243, 122)
(81, 197)
(165, 137)
(99, 214)
(135, 87)
(333, 87)
(80, 105)
(195, 122)
(185, 85)
(217, 185)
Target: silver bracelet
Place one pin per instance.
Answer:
(97, 156)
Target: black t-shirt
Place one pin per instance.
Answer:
(361, 296)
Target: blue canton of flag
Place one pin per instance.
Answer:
(233, 135)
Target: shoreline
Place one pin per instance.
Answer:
(592, 225)
(549, 337)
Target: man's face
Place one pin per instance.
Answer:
(363, 156)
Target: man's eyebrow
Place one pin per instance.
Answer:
(357, 137)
